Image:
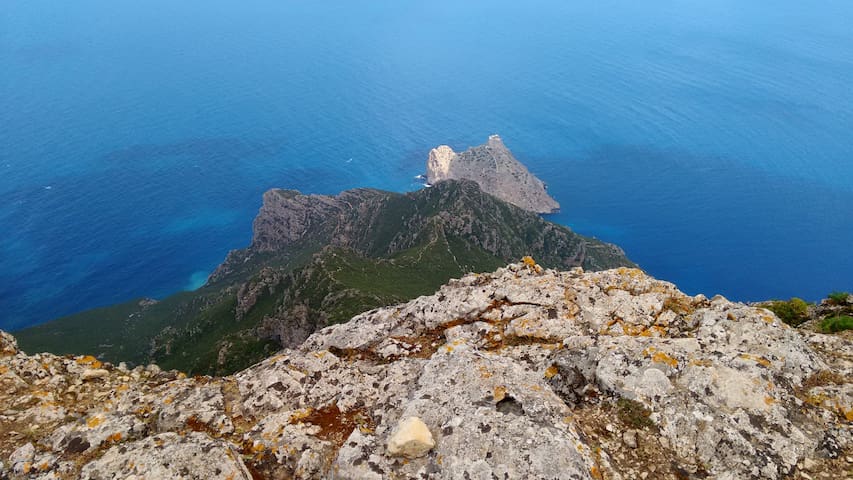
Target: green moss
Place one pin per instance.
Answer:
(793, 312)
(634, 413)
(836, 324)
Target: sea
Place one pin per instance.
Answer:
(711, 139)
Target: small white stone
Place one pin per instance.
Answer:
(411, 439)
(809, 464)
(92, 373)
(630, 438)
(25, 453)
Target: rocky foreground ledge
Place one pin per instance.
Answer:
(521, 373)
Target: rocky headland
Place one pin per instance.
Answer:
(497, 172)
(525, 372)
(317, 260)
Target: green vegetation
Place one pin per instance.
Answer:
(836, 324)
(838, 298)
(634, 414)
(793, 312)
(383, 248)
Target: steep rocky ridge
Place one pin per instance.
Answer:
(521, 373)
(497, 172)
(316, 260)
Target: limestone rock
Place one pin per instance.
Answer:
(520, 373)
(497, 172)
(93, 373)
(8, 344)
(169, 456)
(411, 439)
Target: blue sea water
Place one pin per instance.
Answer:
(713, 140)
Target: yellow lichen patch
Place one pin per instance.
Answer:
(755, 358)
(551, 371)
(123, 387)
(484, 372)
(277, 358)
(90, 361)
(300, 415)
(168, 400)
(4, 369)
(701, 362)
(116, 437)
(768, 318)
(528, 260)
(94, 421)
(662, 357)
(848, 414)
(680, 305)
(499, 393)
(630, 272)
(144, 410)
(632, 330)
(595, 473)
(768, 400)
(27, 467)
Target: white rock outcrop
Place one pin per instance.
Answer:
(521, 373)
(497, 172)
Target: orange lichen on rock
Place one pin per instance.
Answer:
(660, 357)
(551, 371)
(499, 393)
(90, 361)
(755, 358)
(94, 421)
(595, 473)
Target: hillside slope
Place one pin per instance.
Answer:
(317, 260)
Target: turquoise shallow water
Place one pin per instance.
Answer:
(712, 140)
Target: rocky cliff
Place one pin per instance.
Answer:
(497, 172)
(521, 373)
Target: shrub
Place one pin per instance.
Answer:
(838, 298)
(836, 324)
(793, 312)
